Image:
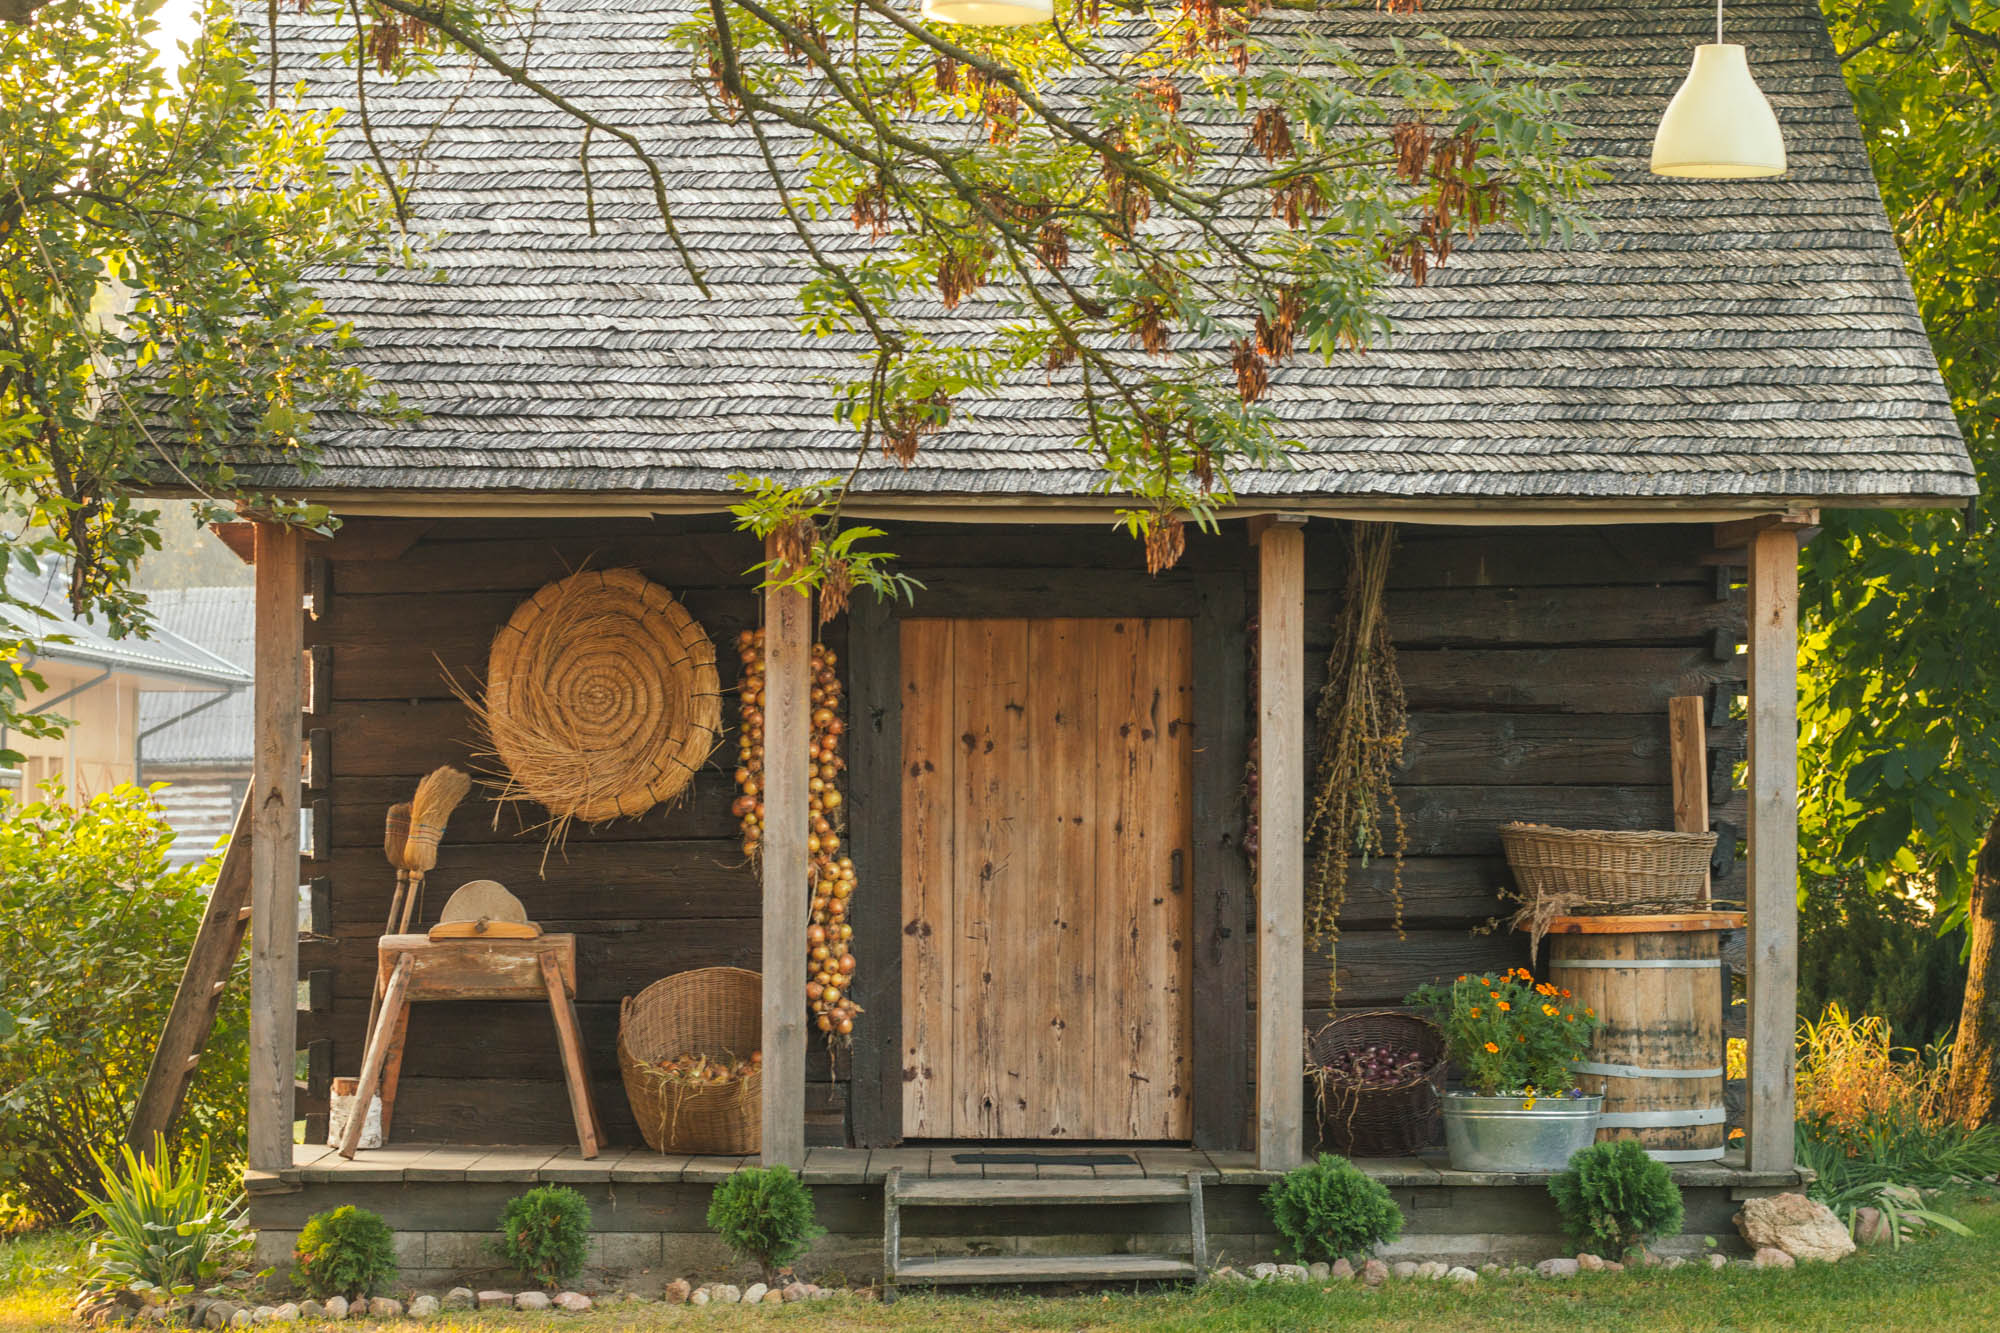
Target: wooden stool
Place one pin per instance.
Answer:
(415, 967)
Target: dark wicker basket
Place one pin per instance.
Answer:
(1394, 1121)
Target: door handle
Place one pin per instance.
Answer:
(1175, 862)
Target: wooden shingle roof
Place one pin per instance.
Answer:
(1727, 341)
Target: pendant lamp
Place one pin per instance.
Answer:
(1719, 126)
(990, 13)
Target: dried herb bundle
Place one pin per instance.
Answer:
(1362, 722)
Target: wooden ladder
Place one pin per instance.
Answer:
(1048, 1197)
(199, 997)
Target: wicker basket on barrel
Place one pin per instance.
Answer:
(1612, 871)
(1358, 1119)
(712, 1011)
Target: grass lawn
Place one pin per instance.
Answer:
(1943, 1283)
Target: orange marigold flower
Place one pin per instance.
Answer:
(1461, 976)
(1570, 1017)
(1588, 1012)
(1491, 1047)
(1549, 1009)
(1566, 994)
(1486, 981)
(1504, 1006)
(1474, 1011)
(1522, 1039)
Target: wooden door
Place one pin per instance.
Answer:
(1046, 832)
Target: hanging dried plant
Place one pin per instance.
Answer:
(1362, 721)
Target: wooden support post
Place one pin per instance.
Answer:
(787, 819)
(1281, 787)
(274, 844)
(1687, 752)
(1774, 845)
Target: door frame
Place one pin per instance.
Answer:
(1219, 877)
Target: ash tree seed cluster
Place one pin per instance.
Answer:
(829, 938)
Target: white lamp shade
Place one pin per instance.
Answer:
(990, 13)
(1719, 127)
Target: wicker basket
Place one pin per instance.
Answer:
(714, 1011)
(1365, 1121)
(1586, 869)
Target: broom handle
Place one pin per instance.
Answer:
(410, 900)
(396, 901)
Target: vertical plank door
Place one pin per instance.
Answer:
(1046, 834)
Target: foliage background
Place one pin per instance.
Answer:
(95, 927)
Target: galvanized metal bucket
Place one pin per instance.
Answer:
(1508, 1134)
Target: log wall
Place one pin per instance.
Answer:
(1538, 664)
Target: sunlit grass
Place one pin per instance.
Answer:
(1945, 1283)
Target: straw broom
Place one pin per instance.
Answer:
(437, 796)
(395, 834)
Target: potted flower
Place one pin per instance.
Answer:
(1513, 1040)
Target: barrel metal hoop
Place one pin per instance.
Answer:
(1635, 962)
(1685, 1154)
(1706, 1115)
(1642, 1071)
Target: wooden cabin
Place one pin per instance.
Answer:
(1601, 463)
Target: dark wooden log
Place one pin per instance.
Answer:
(1436, 890)
(702, 813)
(1522, 617)
(1378, 968)
(522, 564)
(1554, 680)
(611, 881)
(1221, 935)
(1453, 557)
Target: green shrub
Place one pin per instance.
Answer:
(1329, 1209)
(95, 927)
(347, 1251)
(1614, 1197)
(544, 1233)
(1879, 952)
(164, 1231)
(764, 1214)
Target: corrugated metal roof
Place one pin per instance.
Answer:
(164, 655)
(1727, 341)
(222, 621)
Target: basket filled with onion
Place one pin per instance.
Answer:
(690, 1053)
(1376, 1080)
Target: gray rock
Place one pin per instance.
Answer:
(795, 1291)
(725, 1294)
(1263, 1272)
(1226, 1273)
(1374, 1272)
(677, 1292)
(1490, 1268)
(336, 1307)
(359, 1307)
(1293, 1273)
(1319, 1272)
(1589, 1263)
(1341, 1271)
(285, 1313)
(311, 1310)
(382, 1307)
(1433, 1270)
(495, 1300)
(772, 1296)
(1462, 1275)
(460, 1298)
(1871, 1226)
(573, 1301)
(263, 1314)
(754, 1293)
(216, 1315)
(423, 1307)
(1613, 1266)
(1718, 1262)
(531, 1300)
(1772, 1257)
(1404, 1268)
(243, 1318)
(1671, 1262)
(699, 1297)
(1803, 1228)
(1557, 1268)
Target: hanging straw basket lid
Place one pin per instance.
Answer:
(601, 696)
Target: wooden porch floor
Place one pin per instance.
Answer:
(422, 1163)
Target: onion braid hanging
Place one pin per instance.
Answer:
(1362, 721)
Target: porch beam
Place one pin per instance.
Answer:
(1281, 798)
(787, 819)
(1774, 845)
(276, 778)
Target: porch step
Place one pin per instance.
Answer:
(1048, 1197)
(1023, 1269)
(972, 1192)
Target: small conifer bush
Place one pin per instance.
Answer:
(1613, 1197)
(544, 1234)
(347, 1252)
(764, 1214)
(1330, 1209)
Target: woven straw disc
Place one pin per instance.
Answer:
(601, 696)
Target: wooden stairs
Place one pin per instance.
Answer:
(1047, 1198)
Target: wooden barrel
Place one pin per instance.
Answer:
(1658, 1057)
